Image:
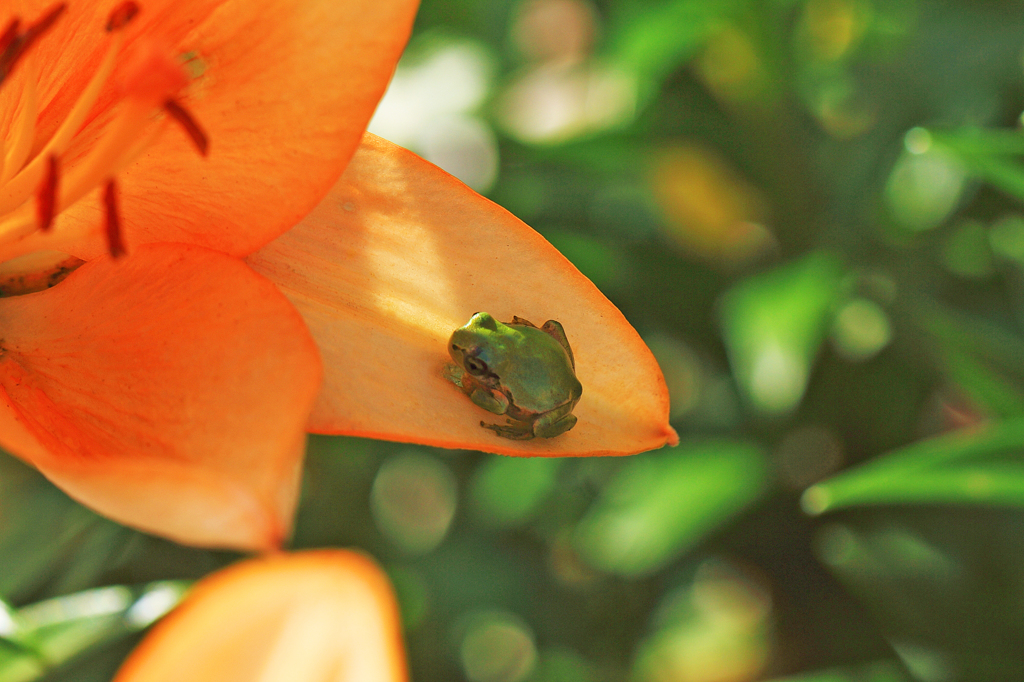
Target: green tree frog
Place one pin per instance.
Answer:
(526, 373)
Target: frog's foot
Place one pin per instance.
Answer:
(550, 429)
(513, 430)
(521, 322)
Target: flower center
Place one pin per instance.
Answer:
(46, 168)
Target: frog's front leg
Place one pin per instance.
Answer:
(454, 374)
(492, 401)
(554, 423)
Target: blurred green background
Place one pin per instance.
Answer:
(811, 211)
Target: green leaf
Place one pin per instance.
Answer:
(44, 635)
(78, 546)
(985, 360)
(990, 391)
(925, 186)
(939, 470)
(660, 505)
(980, 141)
(773, 325)
(991, 344)
(506, 491)
(983, 153)
(938, 587)
(1006, 175)
(652, 41)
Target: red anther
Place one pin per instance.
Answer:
(14, 45)
(121, 15)
(46, 198)
(9, 34)
(183, 118)
(45, 23)
(115, 243)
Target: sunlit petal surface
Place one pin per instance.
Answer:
(320, 616)
(168, 391)
(398, 256)
(283, 89)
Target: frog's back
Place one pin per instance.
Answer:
(544, 378)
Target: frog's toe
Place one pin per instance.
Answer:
(510, 431)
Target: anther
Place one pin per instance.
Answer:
(183, 118)
(45, 23)
(121, 15)
(115, 243)
(13, 45)
(9, 34)
(46, 198)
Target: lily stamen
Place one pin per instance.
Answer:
(46, 199)
(121, 15)
(8, 36)
(147, 88)
(23, 129)
(183, 118)
(115, 242)
(14, 192)
(13, 45)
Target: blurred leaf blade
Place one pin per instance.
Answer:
(991, 485)
(651, 43)
(981, 141)
(992, 344)
(990, 391)
(659, 506)
(945, 613)
(935, 470)
(984, 154)
(50, 633)
(506, 491)
(78, 547)
(774, 324)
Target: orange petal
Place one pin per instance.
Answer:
(399, 255)
(318, 616)
(286, 90)
(168, 390)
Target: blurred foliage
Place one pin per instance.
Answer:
(812, 211)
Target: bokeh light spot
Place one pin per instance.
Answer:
(497, 647)
(861, 330)
(413, 501)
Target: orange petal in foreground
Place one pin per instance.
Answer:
(396, 257)
(168, 390)
(317, 616)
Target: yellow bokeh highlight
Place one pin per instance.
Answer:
(709, 209)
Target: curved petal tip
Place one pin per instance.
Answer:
(399, 255)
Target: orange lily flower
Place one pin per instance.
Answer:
(170, 389)
(315, 615)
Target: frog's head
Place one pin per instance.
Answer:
(479, 346)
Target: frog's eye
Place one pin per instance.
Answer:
(476, 366)
(486, 321)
